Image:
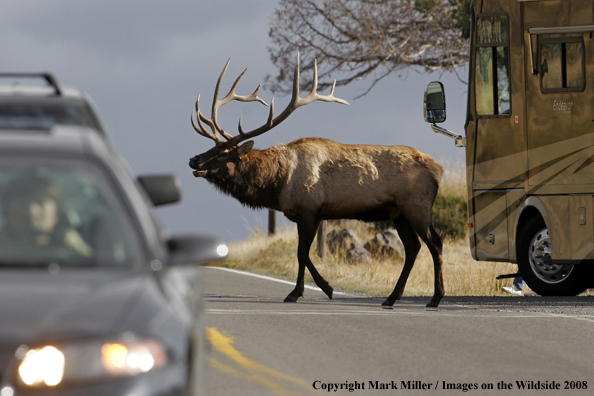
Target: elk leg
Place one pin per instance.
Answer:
(299, 286)
(412, 245)
(435, 245)
(307, 232)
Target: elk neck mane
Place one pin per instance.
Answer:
(256, 181)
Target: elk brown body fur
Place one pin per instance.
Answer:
(314, 179)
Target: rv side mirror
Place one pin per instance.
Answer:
(435, 111)
(435, 104)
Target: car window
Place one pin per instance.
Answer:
(63, 212)
(43, 116)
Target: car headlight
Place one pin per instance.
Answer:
(44, 365)
(51, 365)
(222, 250)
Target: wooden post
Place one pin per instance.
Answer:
(322, 240)
(271, 221)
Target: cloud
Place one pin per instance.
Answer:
(131, 28)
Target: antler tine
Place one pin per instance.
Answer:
(228, 98)
(314, 88)
(313, 94)
(253, 97)
(296, 88)
(333, 86)
(215, 101)
(215, 105)
(199, 127)
(231, 95)
(242, 98)
(268, 122)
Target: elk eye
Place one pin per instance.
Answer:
(223, 155)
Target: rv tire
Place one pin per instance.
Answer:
(538, 270)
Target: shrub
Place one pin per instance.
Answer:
(449, 215)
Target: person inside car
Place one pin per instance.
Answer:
(35, 218)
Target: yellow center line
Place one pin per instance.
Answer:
(257, 372)
(276, 388)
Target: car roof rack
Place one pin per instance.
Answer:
(48, 77)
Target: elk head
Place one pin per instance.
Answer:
(220, 161)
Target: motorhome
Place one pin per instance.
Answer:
(529, 139)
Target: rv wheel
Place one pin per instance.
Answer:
(544, 276)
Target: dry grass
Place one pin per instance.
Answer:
(276, 255)
(453, 181)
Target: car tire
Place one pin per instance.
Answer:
(538, 270)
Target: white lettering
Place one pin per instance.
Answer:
(565, 107)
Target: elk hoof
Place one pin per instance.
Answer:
(328, 290)
(291, 298)
(388, 303)
(432, 304)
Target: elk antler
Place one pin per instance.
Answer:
(213, 124)
(296, 102)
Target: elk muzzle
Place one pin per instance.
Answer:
(195, 164)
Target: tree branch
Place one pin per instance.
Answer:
(354, 39)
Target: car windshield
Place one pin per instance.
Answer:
(44, 117)
(62, 212)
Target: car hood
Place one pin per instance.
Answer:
(35, 305)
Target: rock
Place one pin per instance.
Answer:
(357, 255)
(346, 243)
(386, 243)
(339, 241)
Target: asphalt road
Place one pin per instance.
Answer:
(259, 345)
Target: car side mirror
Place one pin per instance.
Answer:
(195, 249)
(435, 103)
(161, 189)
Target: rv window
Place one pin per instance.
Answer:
(492, 29)
(562, 65)
(491, 74)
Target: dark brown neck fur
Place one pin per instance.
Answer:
(256, 180)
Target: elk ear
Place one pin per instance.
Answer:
(245, 148)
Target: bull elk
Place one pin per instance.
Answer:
(314, 179)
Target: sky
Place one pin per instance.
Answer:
(144, 62)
